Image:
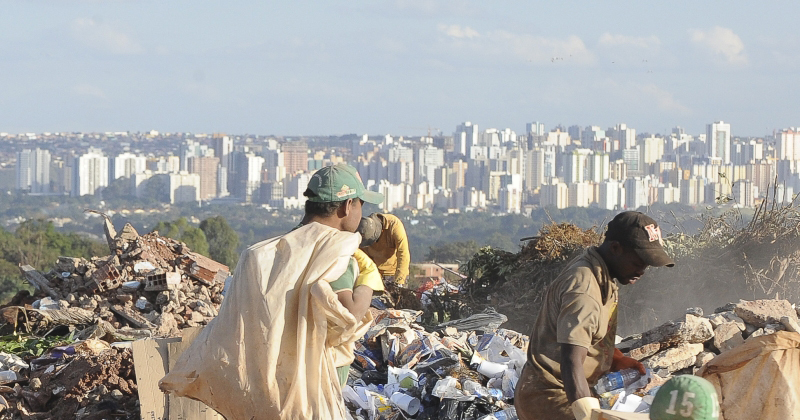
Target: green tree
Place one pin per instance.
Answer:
(38, 244)
(223, 241)
(181, 230)
(452, 252)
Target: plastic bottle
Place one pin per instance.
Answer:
(616, 380)
(510, 413)
(474, 388)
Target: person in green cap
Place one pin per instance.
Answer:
(335, 195)
(685, 397)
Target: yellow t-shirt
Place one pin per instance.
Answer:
(390, 252)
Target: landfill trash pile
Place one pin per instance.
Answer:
(462, 369)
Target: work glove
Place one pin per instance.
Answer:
(620, 361)
(582, 408)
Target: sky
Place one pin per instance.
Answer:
(397, 67)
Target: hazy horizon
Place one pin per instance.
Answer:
(395, 67)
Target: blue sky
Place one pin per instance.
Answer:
(395, 67)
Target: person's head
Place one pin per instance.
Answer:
(370, 229)
(335, 195)
(632, 243)
(685, 397)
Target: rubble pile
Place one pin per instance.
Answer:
(687, 344)
(86, 380)
(148, 285)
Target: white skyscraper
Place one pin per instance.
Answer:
(534, 169)
(126, 164)
(598, 167)
(465, 137)
(624, 137)
(252, 179)
(718, 141)
(787, 143)
(90, 173)
(636, 193)
(33, 170)
(609, 195)
(536, 128)
(429, 158)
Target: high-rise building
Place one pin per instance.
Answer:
(295, 157)
(609, 195)
(622, 136)
(90, 173)
(598, 167)
(787, 144)
(208, 170)
(718, 141)
(579, 194)
(556, 195)
(190, 148)
(458, 175)
(429, 158)
(535, 128)
(465, 137)
(576, 165)
(183, 187)
(636, 193)
(124, 165)
(223, 149)
(33, 170)
(534, 169)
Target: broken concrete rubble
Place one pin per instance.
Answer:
(124, 288)
(759, 313)
(720, 318)
(676, 358)
(727, 336)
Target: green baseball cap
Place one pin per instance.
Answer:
(338, 183)
(685, 397)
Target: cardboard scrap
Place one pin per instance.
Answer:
(152, 359)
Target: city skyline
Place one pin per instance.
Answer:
(395, 67)
(498, 169)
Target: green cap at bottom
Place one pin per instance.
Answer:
(685, 397)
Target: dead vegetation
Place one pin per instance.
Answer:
(730, 257)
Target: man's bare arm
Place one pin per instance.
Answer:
(575, 384)
(356, 301)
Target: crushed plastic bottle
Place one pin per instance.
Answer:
(626, 378)
(509, 413)
(478, 390)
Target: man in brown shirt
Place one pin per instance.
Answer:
(572, 343)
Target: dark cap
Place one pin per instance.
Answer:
(370, 229)
(640, 232)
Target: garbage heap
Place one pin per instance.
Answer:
(465, 369)
(69, 343)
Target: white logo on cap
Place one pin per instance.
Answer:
(654, 232)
